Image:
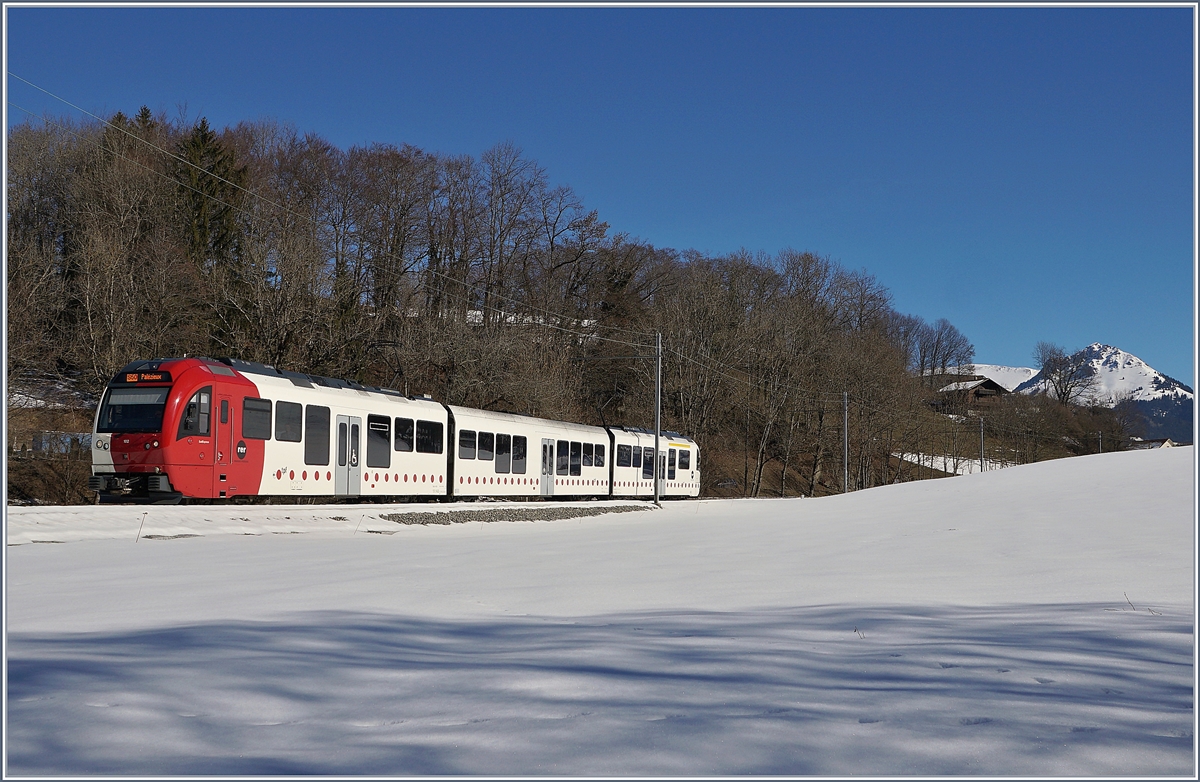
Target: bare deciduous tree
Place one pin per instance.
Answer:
(1069, 378)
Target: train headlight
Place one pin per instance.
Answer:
(155, 443)
(105, 444)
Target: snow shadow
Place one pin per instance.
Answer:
(1029, 690)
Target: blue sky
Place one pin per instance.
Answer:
(1025, 172)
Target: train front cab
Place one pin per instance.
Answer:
(165, 430)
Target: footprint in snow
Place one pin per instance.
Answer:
(974, 720)
(948, 665)
(868, 720)
(1042, 680)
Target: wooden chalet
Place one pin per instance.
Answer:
(967, 391)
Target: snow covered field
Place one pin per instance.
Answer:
(1034, 620)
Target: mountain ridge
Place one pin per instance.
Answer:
(1166, 405)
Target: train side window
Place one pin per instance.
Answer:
(588, 451)
(196, 414)
(685, 459)
(288, 419)
(429, 436)
(599, 462)
(341, 445)
(353, 445)
(224, 411)
(576, 460)
(487, 445)
(647, 463)
(466, 443)
(637, 456)
(671, 464)
(404, 434)
(520, 448)
(379, 440)
(562, 462)
(256, 419)
(503, 453)
(624, 456)
(316, 444)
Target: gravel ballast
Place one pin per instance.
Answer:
(501, 513)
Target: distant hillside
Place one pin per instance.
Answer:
(1167, 405)
(1009, 377)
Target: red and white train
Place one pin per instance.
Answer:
(196, 428)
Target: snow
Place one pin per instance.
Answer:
(1120, 375)
(1035, 620)
(950, 464)
(1008, 377)
(18, 399)
(46, 392)
(965, 385)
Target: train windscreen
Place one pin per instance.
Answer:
(133, 410)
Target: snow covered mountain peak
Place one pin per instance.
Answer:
(1165, 403)
(1123, 375)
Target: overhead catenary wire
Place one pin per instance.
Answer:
(247, 191)
(830, 397)
(721, 369)
(447, 277)
(808, 393)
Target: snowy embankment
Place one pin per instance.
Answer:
(951, 464)
(1034, 620)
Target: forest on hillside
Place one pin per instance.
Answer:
(480, 282)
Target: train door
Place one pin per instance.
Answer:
(223, 446)
(547, 487)
(662, 473)
(348, 472)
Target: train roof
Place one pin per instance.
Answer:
(662, 433)
(299, 379)
(520, 418)
(316, 381)
(303, 380)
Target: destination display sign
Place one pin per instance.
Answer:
(143, 377)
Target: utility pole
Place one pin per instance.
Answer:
(657, 406)
(981, 467)
(845, 441)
